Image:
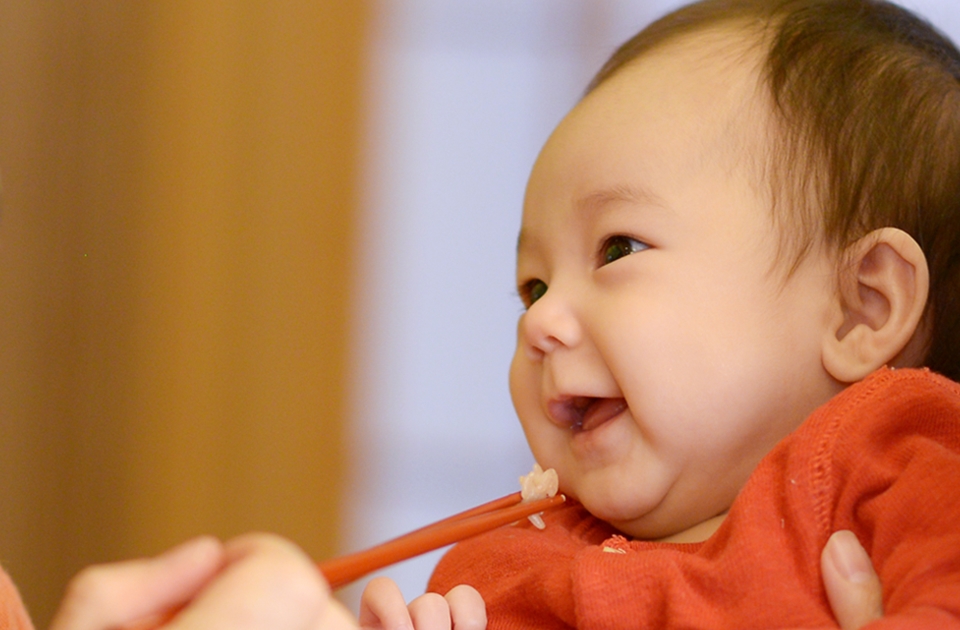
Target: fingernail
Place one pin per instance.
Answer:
(849, 557)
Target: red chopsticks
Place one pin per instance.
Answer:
(345, 569)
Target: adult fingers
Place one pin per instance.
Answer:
(267, 583)
(113, 595)
(336, 617)
(852, 585)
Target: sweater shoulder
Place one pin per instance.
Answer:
(13, 614)
(896, 430)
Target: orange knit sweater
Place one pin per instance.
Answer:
(882, 459)
(13, 616)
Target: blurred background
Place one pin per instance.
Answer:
(256, 265)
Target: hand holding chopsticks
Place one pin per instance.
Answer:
(345, 569)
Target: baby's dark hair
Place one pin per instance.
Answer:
(866, 104)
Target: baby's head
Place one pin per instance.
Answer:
(722, 235)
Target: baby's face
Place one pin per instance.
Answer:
(663, 352)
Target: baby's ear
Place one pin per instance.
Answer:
(881, 303)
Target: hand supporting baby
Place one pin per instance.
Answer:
(852, 585)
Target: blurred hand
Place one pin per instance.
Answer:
(254, 582)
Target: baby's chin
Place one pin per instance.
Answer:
(635, 521)
(646, 521)
(642, 528)
(659, 525)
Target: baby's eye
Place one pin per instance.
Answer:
(617, 247)
(532, 291)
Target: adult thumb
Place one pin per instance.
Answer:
(852, 585)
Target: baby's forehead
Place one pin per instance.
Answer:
(722, 64)
(707, 83)
(717, 68)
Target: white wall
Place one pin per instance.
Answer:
(464, 94)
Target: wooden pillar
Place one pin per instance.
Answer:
(176, 261)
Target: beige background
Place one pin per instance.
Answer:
(175, 262)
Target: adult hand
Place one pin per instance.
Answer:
(255, 582)
(853, 587)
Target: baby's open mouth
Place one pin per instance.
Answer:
(584, 413)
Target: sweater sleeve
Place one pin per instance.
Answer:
(895, 470)
(13, 615)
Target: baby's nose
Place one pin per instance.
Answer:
(548, 325)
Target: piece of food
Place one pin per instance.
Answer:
(539, 484)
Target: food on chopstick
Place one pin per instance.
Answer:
(539, 484)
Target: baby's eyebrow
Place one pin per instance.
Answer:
(597, 199)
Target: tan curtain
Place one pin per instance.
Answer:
(176, 258)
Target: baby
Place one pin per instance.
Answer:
(734, 252)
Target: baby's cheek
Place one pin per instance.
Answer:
(524, 389)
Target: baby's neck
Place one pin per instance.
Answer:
(698, 533)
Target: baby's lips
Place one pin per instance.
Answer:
(567, 412)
